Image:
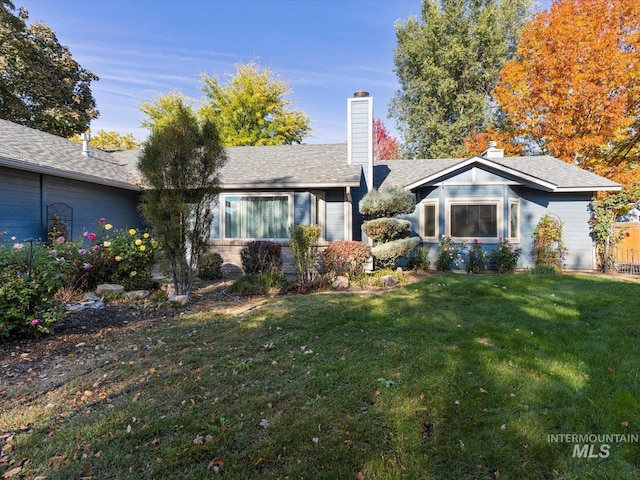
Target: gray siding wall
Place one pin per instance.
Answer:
(571, 208)
(334, 215)
(24, 197)
(361, 135)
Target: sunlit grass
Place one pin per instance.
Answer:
(454, 377)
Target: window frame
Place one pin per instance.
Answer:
(223, 213)
(514, 205)
(496, 202)
(436, 219)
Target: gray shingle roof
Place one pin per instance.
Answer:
(28, 149)
(548, 173)
(289, 165)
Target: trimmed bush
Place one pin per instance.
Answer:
(387, 202)
(505, 256)
(210, 266)
(477, 257)
(382, 230)
(346, 257)
(261, 256)
(386, 254)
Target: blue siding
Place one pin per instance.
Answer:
(361, 129)
(571, 208)
(24, 197)
(20, 204)
(334, 211)
(302, 208)
(90, 202)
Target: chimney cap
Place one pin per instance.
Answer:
(361, 93)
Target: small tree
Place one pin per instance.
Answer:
(180, 162)
(389, 234)
(304, 241)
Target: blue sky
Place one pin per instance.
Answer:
(324, 49)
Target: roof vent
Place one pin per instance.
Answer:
(85, 137)
(361, 93)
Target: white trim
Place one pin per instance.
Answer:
(223, 220)
(497, 201)
(348, 215)
(436, 204)
(514, 202)
(543, 184)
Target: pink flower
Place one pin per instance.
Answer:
(18, 246)
(87, 266)
(91, 236)
(35, 321)
(102, 220)
(81, 251)
(60, 239)
(95, 248)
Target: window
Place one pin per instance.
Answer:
(256, 217)
(429, 227)
(474, 220)
(514, 219)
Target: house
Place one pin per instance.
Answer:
(268, 189)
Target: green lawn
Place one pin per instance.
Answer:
(454, 377)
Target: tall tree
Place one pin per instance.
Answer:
(385, 145)
(574, 89)
(110, 140)
(447, 63)
(41, 85)
(180, 161)
(252, 108)
(162, 110)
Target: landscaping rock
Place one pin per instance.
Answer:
(91, 297)
(137, 294)
(389, 281)
(340, 283)
(181, 299)
(109, 288)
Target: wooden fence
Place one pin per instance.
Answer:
(628, 251)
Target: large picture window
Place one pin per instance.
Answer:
(474, 220)
(256, 217)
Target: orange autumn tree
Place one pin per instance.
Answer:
(573, 90)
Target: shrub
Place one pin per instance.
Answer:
(505, 256)
(387, 202)
(477, 257)
(382, 230)
(304, 241)
(263, 283)
(261, 256)
(28, 302)
(385, 255)
(449, 254)
(419, 260)
(346, 257)
(374, 279)
(210, 266)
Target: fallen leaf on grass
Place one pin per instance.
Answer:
(11, 472)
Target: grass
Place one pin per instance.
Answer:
(455, 377)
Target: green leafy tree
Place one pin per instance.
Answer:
(110, 140)
(41, 85)
(180, 162)
(162, 110)
(447, 64)
(252, 108)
